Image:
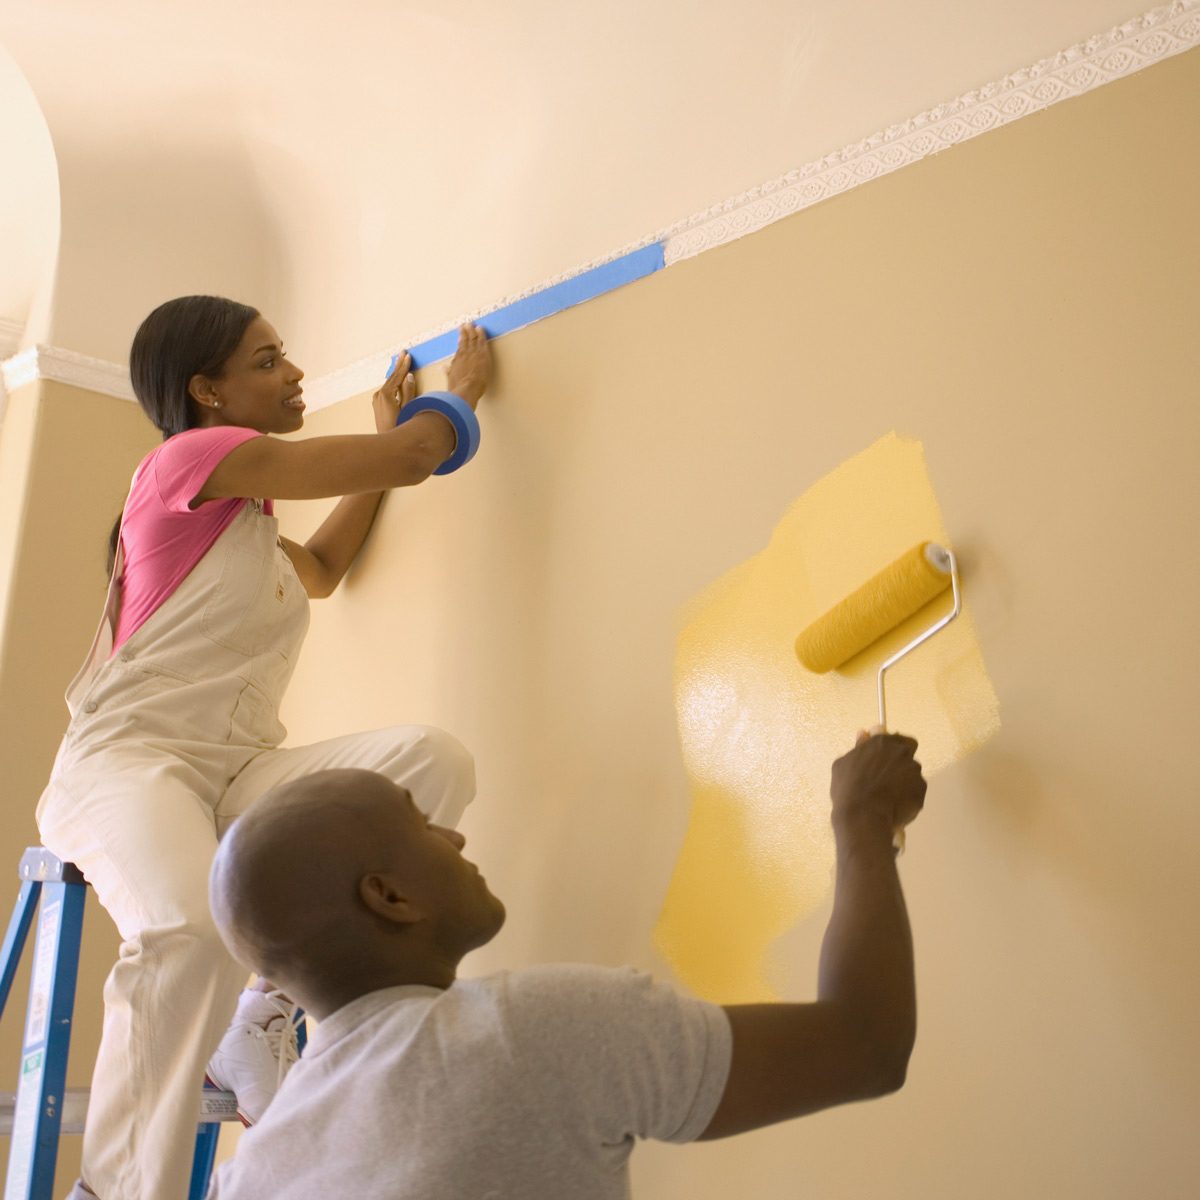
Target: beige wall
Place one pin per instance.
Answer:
(1023, 306)
(66, 456)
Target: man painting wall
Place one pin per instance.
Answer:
(537, 1082)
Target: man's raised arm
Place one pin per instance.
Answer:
(854, 1042)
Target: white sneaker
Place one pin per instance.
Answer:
(256, 1052)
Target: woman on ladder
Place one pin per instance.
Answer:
(175, 718)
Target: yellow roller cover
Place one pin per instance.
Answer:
(882, 603)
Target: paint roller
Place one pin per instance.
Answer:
(896, 593)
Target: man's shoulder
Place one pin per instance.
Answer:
(553, 979)
(545, 1001)
(553, 997)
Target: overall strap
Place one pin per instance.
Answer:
(106, 631)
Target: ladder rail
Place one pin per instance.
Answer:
(18, 932)
(33, 1149)
(43, 1107)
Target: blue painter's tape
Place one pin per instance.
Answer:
(637, 264)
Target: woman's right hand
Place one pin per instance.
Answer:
(398, 389)
(470, 370)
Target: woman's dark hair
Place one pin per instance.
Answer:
(193, 335)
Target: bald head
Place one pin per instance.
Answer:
(338, 879)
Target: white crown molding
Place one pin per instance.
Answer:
(65, 366)
(333, 387)
(1141, 42)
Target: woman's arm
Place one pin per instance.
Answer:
(346, 465)
(395, 456)
(325, 558)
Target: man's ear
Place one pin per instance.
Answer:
(383, 894)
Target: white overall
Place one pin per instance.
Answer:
(172, 738)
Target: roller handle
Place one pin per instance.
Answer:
(944, 559)
(898, 833)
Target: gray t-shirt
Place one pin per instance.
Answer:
(525, 1085)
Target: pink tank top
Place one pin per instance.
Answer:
(163, 538)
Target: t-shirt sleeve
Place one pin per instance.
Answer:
(184, 462)
(642, 1059)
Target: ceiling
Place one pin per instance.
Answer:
(367, 171)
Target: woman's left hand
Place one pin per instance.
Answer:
(399, 388)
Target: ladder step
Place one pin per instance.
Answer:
(214, 1106)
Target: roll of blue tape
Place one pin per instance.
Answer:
(459, 413)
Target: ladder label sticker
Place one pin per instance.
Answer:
(43, 971)
(24, 1128)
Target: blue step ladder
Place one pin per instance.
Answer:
(43, 1108)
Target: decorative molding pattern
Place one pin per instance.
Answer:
(65, 366)
(333, 387)
(1141, 42)
(1150, 38)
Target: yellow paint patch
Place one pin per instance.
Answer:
(759, 732)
